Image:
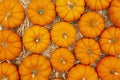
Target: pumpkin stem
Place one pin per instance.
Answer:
(112, 40)
(37, 40)
(7, 15)
(4, 45)
(62, 61)
(114, 72)
(34, 73)
(89, 51)
(84, 78)
(4, 78)
(94, 23)
(64, 35)
(70, 5)
(41, 11)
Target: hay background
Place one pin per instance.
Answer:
(26, 24)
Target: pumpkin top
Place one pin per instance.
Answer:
(36, 39)
(62, 59)
(109, 41)
(10, 45)
(36, 66)
(63, 34)
(70, 10)
(91, 24)
(109, 66)
(39, 12)
(8, 74)
(87, 50)
(11, 13)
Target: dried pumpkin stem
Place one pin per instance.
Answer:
(5, 45)
(37, 40)
(89, 51)
(112, 40)
(64, 35)
(70, 5)
(4, 78)
(7, 15)
(41, 11)
(114, 72)
(34, 73)
(62, 61)
(84, 78)
(94, 23)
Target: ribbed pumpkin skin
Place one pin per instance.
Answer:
(82, 72)
(114, 12)
(63, 34)
(110, 40)
(98, 4)
(10, 45)
(62, 59)
(109, 68)
(91, 24)
(8, 71)
(11, 13)
(87, 51)
(41, 12)
(35, 67)
(36, 39)
(70, 10)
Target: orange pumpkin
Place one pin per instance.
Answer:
(87, 50)
(41, 12)
(8, 72)
(98, 4)
(114, 12)
(35, 67)
(70, 10)
(63, 34)
(82, 72)
(10, 45)
(91, 24)
(110, 40)
(11, 13)
(62, 59)
(36, 39)
(109, 68)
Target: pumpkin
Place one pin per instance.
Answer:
(91, 24)
(35, 67)
(36, 39)
(109, 68)
(41, 12)
(63, 34)
(98, 4)
(10, 45)
(110, 40)
(70, 10)
(82, 72)
(8, 72)
(114, 12)
(11, 13)
(87, 50)
(62, 59)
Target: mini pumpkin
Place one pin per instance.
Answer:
(82, 72)
(11, 13)
(109, 68)
(114, 12)
(41, 12)
(35, 67)
(110, 40)
(87, 50)
(70, 10)
(10, 45)
(8, 72)
(98, 4)
(63, 34)
(91, 24)
(62, 59)
(36, 39)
